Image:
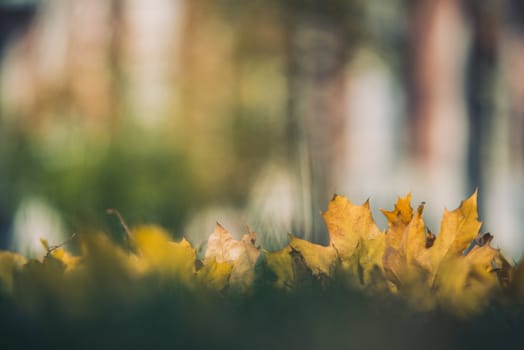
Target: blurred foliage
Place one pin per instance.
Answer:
(141, 175)
(226, 96)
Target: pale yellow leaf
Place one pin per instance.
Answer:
(243, 255)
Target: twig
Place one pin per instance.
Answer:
(115, 212)
(55, 247)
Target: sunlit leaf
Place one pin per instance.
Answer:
(321, 260)
(243, 255)
(358, 241)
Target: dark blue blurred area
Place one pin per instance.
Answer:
(13, 19)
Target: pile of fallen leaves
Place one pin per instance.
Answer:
(456, 271)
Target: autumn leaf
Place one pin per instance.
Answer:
(398, 220)
(160, 254)
(465, 282)
(358, 241)
(9, 264)
(292, 271)
(350, 225)
(430, 273)
(321, 260)
(59, 253)
(108, 268)
(406, 244)
(356, 247)
(457, 230)
(242, 255)
(280, 263)
(215, 275)
(70, 261)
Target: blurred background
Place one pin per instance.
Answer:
(187, 112)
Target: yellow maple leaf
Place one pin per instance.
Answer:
(429, 274)
(320, 259)
(356, 246)
(458, 229)
(358, 241)
(465, 282)
(406, 244)
(291, 269)
(159, 253)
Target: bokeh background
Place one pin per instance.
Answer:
(187, 112)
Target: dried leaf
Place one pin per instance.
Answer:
(243, 255)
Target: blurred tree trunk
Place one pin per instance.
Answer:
(316, 53)
(439, 122)
(515, 52)
(481, 75)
